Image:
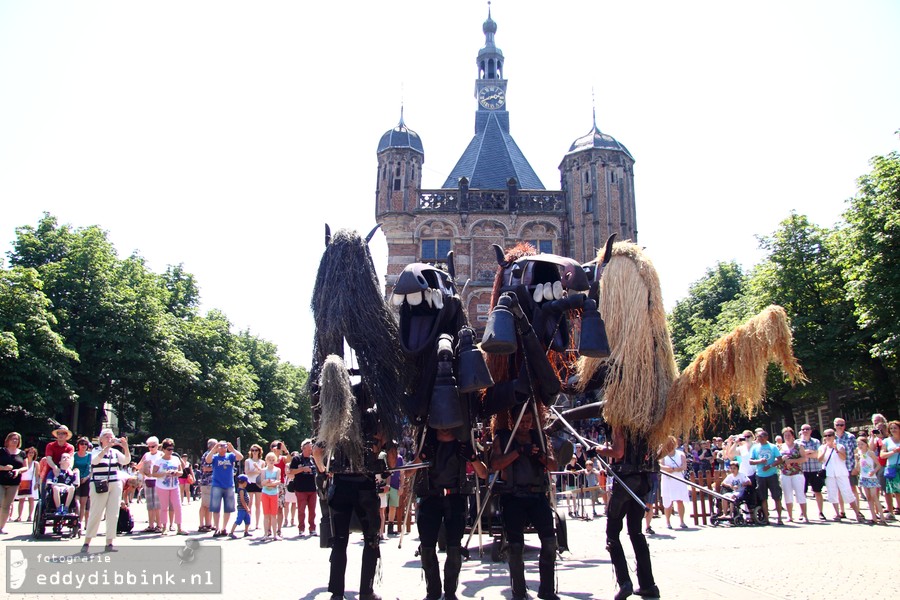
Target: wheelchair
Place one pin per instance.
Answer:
(66, 526)
(745, 510)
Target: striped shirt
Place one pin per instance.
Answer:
(107, 469)
(811, 465)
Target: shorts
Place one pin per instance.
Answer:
(290, 498)
(653, 494)
(814, 480)
(183, 481)
(204, 496)
(253, 488)
(84, 490)
(152, 497)
(219, 496)
(854, 480)
(394, 498)
(383, 499)
(270, 504)
(766, 486)
(243, 518)
(869, 482)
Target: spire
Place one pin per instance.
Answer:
(594, 104)
(490, 57)
(489, 28)
(402, 124)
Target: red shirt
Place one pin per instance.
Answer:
(282, 463)
(55, 451)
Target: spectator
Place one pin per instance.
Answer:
(848, 441)
(290, 498)
(205, 487)
(650, 502)
(877, 435)
(573, 471)
(792, 480)
(837, 476)
(106, 489)
(26, 485)
(735, 486)
(868, 478)
(243, 506)
(63, 485)
(222, 488)
(56, 449)
(674, 490)
(12, 465)
(591, 481)
(303, 469)
(891, 454)
(185, 482)
(82, 463)
(813, 473)
(165, 471)
(282, 460)
(271, 481)
(155, 524)
(766, 457)
(394, 497)
(705, 458)
(253, 468)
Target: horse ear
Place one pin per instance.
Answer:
(372, 233)
(451, 267)
(327, 235)
(607, 254)
(499, 252)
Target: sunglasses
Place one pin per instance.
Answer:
(839, 425)
(828, 435)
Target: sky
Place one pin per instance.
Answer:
(223, 135)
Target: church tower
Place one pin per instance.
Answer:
(493, 196)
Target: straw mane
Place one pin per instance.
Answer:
(641, 366)
(731, 373)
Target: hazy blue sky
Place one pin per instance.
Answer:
(223, 135)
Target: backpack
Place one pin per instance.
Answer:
(125, 523)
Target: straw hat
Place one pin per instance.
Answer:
(62, 429)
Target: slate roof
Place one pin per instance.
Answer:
(597, 139)
(401, 136)
(491, 158)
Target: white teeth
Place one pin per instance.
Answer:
(557, 290)
(397, 299)
(414, 299)
(428, 297)
(548, 291)
(438, 299)
(538, 292)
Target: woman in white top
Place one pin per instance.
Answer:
(837, 478)
(253, 468)
(674, 490)
(166, 470)
(105, 462)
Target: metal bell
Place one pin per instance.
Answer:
(473, 372)
(500, 334)
(445, 411)
(593, 342)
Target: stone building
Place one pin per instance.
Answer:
(493, 196)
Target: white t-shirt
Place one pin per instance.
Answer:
(834, 465)
(172, 468)
(736, 481)
(746, 468)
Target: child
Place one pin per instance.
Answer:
(243, 506)
(125, 524)
(65, 482)
(735, 485)
(868, 478)
(271, 481)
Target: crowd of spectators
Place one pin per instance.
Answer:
(93, 480)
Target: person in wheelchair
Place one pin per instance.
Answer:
(63, 485)
(735, 486)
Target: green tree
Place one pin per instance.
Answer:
(35, 380)
(870, 255)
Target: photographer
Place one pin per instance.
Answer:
(222, 489)
(106, 489)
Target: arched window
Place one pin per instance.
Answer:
(397, 181)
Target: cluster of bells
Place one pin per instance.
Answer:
(500, 337)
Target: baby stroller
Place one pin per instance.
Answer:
(745, 509)
(45, 514)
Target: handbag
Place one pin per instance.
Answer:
(101, 486)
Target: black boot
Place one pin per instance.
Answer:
(338, 567)
(432, 572)
(620, 565)
(452, 565)
(517, 571)
(370, 557)
(546, 562)
(646, 585)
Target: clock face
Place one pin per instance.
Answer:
(491, 97)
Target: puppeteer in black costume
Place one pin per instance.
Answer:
(534, 300)
(449, 370)
(354, 421)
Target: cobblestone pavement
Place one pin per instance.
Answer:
(791, 561)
